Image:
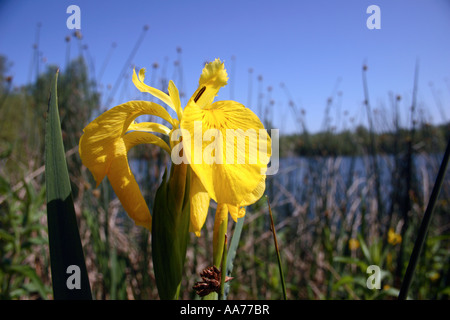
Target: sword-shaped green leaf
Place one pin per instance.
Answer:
(68, 268)
(170, 231)
(231, 254)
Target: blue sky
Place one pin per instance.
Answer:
(316, 48)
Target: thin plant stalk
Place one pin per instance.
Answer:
(423, 230)
(126, 65)
(406, 198)
(219, 240)
(223, 274)
(372, 148)
(280, 267)
(219, 236)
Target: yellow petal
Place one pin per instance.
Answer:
(136, 137)
(236, 212)
(101, 139)
(127, 190)
(213, 77)
(220, 216)
(175, 97)
(221, 213)
(230, 166)
(199, 205)
(256, 194)
(214, 74)
(139, 83)
(149, 127)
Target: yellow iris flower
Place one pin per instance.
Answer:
(393, 237)
(353, 244)
(232, 184)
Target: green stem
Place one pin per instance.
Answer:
(177, 293)
(280, 267)
(223, 274)
(219, 240)
(423, 230)
(220, 230)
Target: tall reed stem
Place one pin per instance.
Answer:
(423, 230)
(280, 266)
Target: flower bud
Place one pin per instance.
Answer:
(170, 230)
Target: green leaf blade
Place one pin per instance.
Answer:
(231, 255)
(64, 238)
(170, 233)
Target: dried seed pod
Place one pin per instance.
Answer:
(211, 281)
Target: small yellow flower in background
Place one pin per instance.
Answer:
(232, 184)
(353, 244)
(394, 238)
(434, 276)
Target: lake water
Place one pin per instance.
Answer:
(326, 182)
(337, 180)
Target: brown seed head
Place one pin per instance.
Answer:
(211, 277)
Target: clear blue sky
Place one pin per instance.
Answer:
(316, 48)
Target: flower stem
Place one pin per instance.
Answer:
(220, 230)
(223, 269)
